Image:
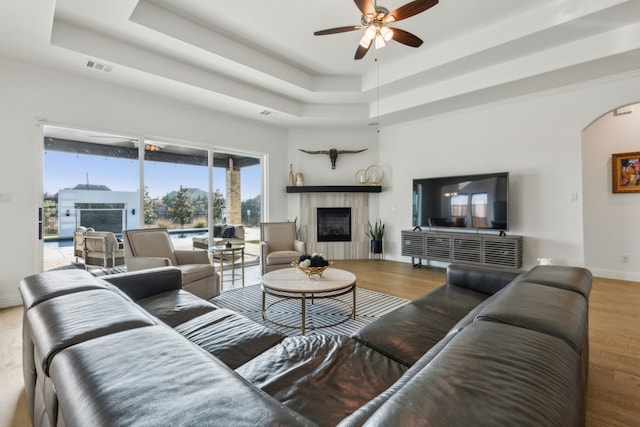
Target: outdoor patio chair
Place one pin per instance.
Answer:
(102, 249)
(78, 241)
(151, 248)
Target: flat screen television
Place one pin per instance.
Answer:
(464, 202)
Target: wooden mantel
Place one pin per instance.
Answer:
(335, 189)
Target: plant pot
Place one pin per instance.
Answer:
(376, 246)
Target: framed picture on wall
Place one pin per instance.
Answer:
(625, 172)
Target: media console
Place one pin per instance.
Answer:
(486, 249)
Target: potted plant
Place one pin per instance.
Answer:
(376, 233)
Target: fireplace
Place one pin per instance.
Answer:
(334, 224)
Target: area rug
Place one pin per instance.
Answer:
(369, 306)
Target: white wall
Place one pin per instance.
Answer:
(538, 139)
(29, 93)
(611, 221)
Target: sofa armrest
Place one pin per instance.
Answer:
(189, 256)
(142, 284)
(480, 278)
(299, 246)
(144, 263)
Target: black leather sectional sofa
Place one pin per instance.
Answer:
(486, 348)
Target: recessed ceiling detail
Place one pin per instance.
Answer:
(239, 57)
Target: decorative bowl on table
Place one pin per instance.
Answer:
(312, 265)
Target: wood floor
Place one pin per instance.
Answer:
(613, 393)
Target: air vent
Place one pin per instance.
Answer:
(622, 111)
(98, 66)
(266, 113)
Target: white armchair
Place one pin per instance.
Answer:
(152, 248)
(102, 249)
(78, 241)
(279, 245)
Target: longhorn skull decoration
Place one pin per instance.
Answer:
(333, 153)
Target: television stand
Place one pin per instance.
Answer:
(448, 246)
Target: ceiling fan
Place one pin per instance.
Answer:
(376, 18)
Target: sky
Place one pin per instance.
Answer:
(66, 170)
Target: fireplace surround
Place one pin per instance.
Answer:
(358, 246)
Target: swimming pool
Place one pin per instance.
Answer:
(64, 242)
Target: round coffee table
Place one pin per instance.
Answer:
(291, 283)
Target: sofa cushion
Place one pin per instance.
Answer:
(66, 320)
(280, 236)
(217, 230)
(562, 315)
(176, 307)
(450, 300)
(487, 280)
(151, 244)
(559, 276)
(228, 232)
(282, 257)
(360, 415)
(229, 336)
(40, 287)
(195, 272)
(155, 377)
(324, 378)
(409, 332)
(492, 374)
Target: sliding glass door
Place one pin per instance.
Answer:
(176, 190)
(112, 183)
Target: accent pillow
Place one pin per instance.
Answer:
(217, 230)
(229, 232)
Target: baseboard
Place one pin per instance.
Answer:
(615, 274)
(10, 301)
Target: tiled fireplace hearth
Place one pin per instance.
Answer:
(358, 247)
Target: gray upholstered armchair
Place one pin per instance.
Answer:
(152, 248)
(279, 245)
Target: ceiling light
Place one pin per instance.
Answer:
(364, 41)
(386, 33)
(371, 32)
(379, 42)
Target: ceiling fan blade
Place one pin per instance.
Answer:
(337, 30)
(410, 9)
(362, 50)
(365, 6)
(405, 37)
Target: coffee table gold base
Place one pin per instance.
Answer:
(303, 297)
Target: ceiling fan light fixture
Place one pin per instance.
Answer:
(365, 42)
(370, 32)
(375, 19)
(386, 33)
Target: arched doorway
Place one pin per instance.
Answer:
(611, 218)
